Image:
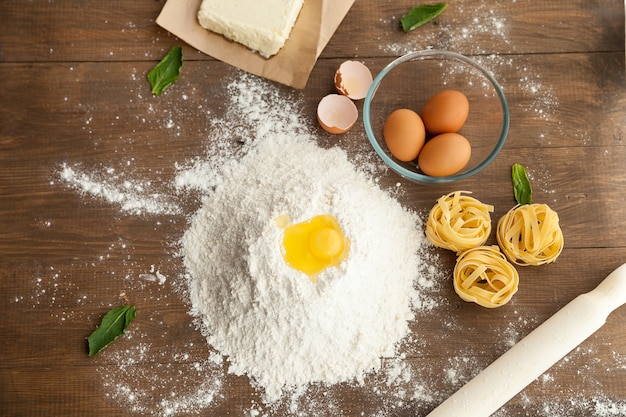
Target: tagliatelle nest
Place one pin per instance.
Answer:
(530, 235)
(458, 222)
(484, 276)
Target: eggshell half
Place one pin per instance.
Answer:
(353, 79)
(336, 113)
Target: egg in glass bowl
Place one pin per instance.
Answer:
(436, 116)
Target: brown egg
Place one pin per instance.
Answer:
(336, 113)
(445, 154)
(445, 112)
(404, 134)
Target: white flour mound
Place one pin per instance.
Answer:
(269, 320)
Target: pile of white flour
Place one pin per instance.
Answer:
(270, 320)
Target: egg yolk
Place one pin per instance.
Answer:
(314, 245)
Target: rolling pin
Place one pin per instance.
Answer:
(537, 352)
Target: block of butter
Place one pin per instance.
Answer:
(263, 26)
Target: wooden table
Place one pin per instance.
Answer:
(72, 82)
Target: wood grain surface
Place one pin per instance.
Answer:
(73, 91)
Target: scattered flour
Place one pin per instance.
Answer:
(393, 385)
(486, 21)
(192, 386)
(258, 118)
(132, 196)
(156, 277)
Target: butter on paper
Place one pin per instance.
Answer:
(291, 66)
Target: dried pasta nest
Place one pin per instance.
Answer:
(530, 235)
(484, 276)
(458, 222)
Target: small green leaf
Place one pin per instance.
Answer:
(113, 325)
(420, 15)
(521, 185)
(166, 72)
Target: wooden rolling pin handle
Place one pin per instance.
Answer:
(537, 352)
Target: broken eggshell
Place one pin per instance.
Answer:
(336, 113)
(353, 79)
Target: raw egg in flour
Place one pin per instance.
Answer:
(404, 134)
(314, 245)
(445, 112)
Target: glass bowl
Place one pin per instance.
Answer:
(411, 79)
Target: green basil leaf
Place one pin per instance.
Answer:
(113, 325)
(166, 72)
(521, 185)
(420, 15)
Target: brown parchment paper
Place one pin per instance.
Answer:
(291, 66)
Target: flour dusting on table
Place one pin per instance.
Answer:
(398, 383)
